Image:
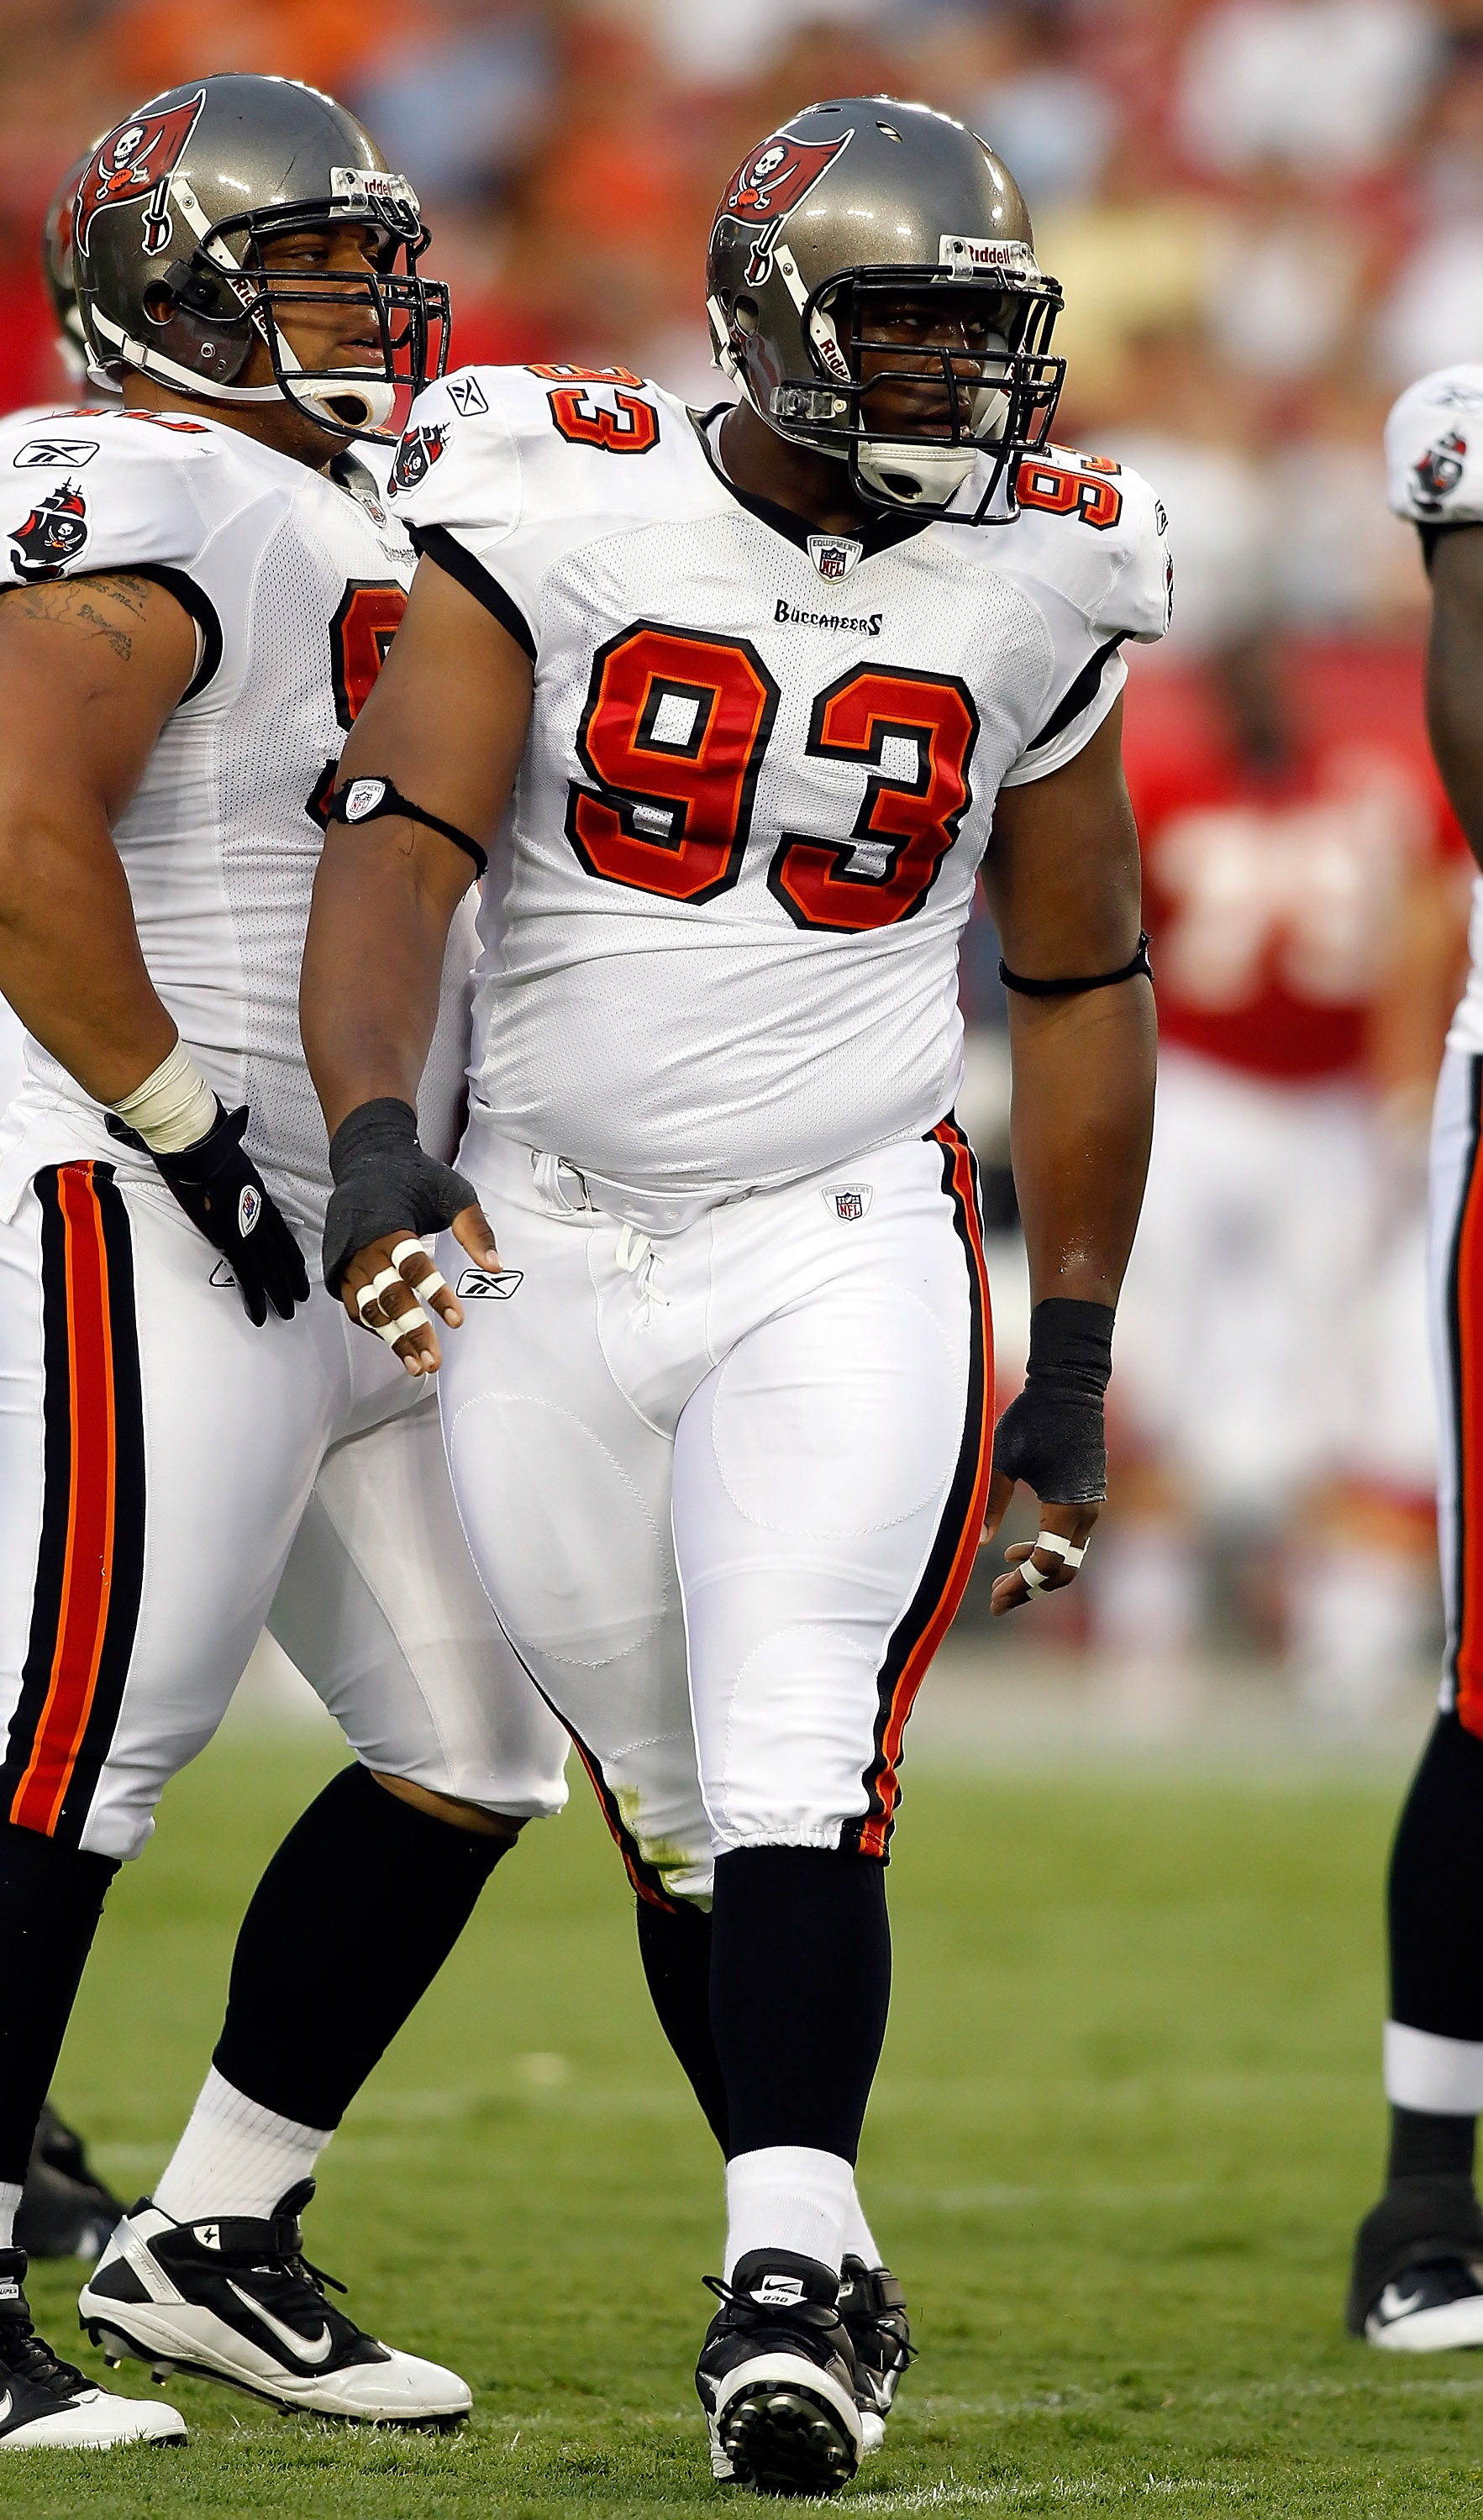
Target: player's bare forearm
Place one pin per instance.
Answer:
(1079, 1134)
(89, 670)
(1064, 884)
(1453, 665)
(445, 724)
(1064, 878)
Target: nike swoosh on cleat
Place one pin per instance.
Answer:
(304, 2348)
(1392, 2306)
(5, 2408)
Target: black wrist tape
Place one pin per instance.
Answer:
(1139, 967)
(1073, 1341)
(370, 800)
(384, 1183)
(1051, 1435)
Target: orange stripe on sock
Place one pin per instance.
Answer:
(876, 1832)
(88, 1563)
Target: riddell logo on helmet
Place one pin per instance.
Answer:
(134, 165)
(987, 253)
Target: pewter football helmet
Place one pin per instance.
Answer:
(173, 210)
(853, 212)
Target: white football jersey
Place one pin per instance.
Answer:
(720, 938)
(1434, 457)
(295, 587)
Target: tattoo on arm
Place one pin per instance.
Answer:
(73, 603)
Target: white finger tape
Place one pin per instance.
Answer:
(366, 1297)
(413, 1319)
(1061, 1547)
(1058, 1547)
(431, 1281)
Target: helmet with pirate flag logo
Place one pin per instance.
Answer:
(872, 287)
(175, 207)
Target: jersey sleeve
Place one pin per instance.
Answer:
(502, 471)
(94, 492)
(1099, 567)
(1435, 450)
(457, 484)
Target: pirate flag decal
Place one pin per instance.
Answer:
(53, 533)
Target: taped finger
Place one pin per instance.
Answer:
(431, 1281)
(1060, 1546)
(394, 1330)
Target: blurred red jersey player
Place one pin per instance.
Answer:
(1302, 890)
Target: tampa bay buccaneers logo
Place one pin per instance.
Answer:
(55, 532)
(134, 163)
(771, 183)
(1438, 471)
(417, 454)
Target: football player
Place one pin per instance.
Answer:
(766, 687)
(1416, 2284)
(199, 596)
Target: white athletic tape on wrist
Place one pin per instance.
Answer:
(1060, 1546)
(173, 1108)
(432, 1280)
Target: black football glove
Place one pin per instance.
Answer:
(385, 1182)
(1050, 1435)
(225, 1197)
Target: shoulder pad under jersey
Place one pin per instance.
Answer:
(510, 467)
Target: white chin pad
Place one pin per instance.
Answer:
(911, 475)
(358, 404)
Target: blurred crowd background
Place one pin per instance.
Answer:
(1267, 218)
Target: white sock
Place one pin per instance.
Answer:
(235, 2156)
(859, 2239)
(786, 2196)
(9, 2198)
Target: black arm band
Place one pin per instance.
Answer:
(1139, 967)
(367, 801)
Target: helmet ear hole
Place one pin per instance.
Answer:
(159, 303)
(744, 315)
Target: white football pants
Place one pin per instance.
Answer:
(724, 1485)
(172, 1479)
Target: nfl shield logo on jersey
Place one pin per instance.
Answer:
(848, 1200)
(833, 554)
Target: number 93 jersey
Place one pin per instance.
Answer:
(295, 582)
(720, 942)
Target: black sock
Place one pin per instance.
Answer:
(1427, 2146)
(347, 1929)
(51, 1898)
(1436, 1890)
(800, 1982)
(675, 1947)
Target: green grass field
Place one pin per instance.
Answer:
(1125, 2119)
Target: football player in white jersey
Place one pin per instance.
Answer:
(763, 691)
(1416, 2283)
(190, 1444)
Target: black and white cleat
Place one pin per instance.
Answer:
(1429, 2309)
(234, 2300)
(777, 2378)
(873, 2308)
(49, 2405)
